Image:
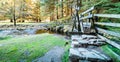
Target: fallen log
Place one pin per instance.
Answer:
(89, 55)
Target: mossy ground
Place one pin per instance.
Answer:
(28, 48)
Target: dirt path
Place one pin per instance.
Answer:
(54, 55)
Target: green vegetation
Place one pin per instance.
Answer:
(110, 8)
(65, 57)
(108, 51)
(117, 51)
(28, 48)
(115, 29)
(103, 7)
(5, 38)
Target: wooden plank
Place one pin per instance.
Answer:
(108, 32)
(81, 25)
(109, 24)
(88, 36)
(86, 40)
(73, 37)
(90, 55)
(108, 15)
(86, 17)
(113, 43)
(102, 55)
(117, 56)
(92, 8)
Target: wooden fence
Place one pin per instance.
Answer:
(87, 15)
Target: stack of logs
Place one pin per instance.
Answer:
(82, 49)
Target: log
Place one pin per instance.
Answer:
(108, 15)
(89, 37)
(75, 37)
(86, 17)
(108, 32)
(113, 43)
(86, 41)
(90, 55)
(108, 24)
(92, 8)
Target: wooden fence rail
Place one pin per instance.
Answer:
(92, 8)
(108, 24)
(113, 43)
(108, 15)
(87, 27)
(88, 15)
(100, 30)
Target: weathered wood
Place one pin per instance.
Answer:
(86, 40)
(108, 24)
(90, 55)
(92, 8)
(108, 15)
(86, 24)
(75, 33)
(86, 17)
(81, 25)
(108, 32)
(102, 55)
(75, 37)
(113, 43)
(97, 40)
(89, 37)
(75, 44)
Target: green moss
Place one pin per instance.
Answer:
(28, 48)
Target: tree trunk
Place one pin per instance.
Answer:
(71, 10)
(57, 13)
(11, 20)
(14, 15)
(67, 9)
(14, 20)
(115, 1)
(77, 15)
(62, 9)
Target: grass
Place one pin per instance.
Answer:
(65, 57)
(109, 52)
(5, 38)
(28, 48)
